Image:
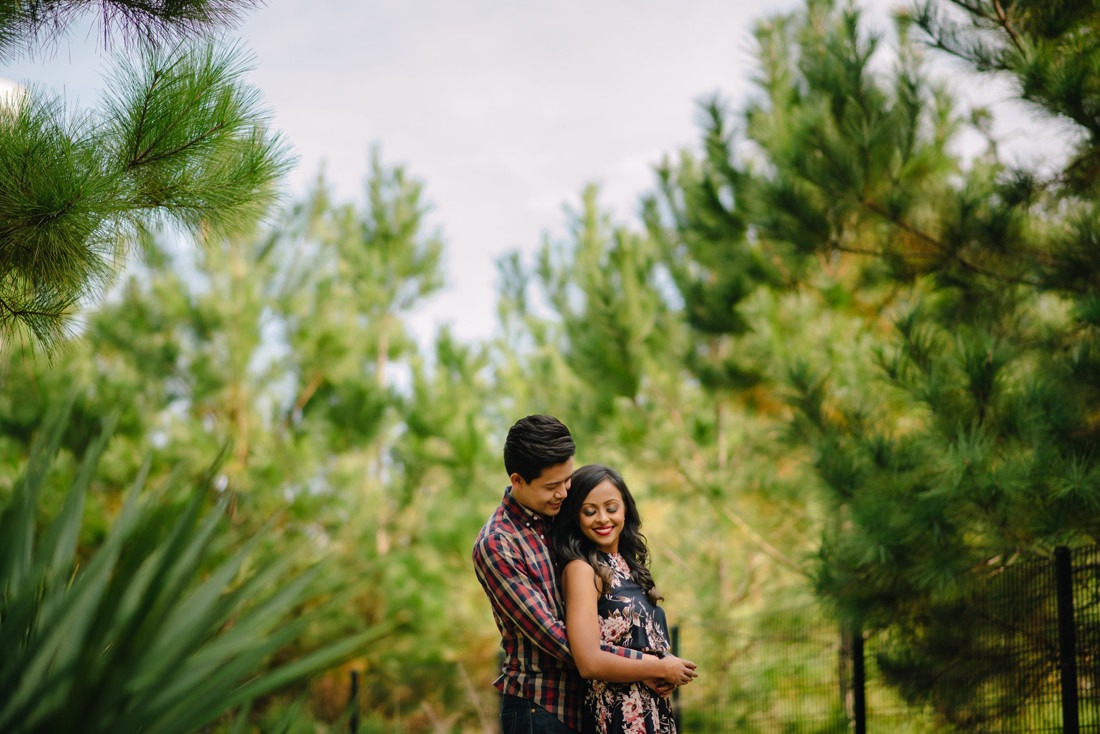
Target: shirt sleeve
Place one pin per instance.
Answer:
(503, 573)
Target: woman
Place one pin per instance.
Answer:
(610, 598)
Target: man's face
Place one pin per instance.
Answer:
(545, 493)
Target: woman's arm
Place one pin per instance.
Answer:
(582, 626)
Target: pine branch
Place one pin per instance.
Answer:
(26, 25)
(942, 246)
(44, 315)
(55, 200)
(736, 519)
(946, 36)
(182, 138)
(192, 139)
(1002, 20)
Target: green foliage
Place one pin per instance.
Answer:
(29, 24)
(181, 138)
(703, 234)
(190, 137)
(163, 627)
(837, 357)
(335, 423)
(948, 415)
(613, 317)
(600, 340)
(51, 167)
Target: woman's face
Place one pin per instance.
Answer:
(602, 516)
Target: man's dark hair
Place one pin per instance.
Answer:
(534, 443)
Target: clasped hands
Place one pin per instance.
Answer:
(678, 672)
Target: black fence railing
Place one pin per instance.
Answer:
(1020, 654)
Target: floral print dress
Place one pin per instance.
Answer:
(629, 619)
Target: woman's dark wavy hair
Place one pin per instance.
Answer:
(570, 544)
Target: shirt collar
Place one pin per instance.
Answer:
(518, 510)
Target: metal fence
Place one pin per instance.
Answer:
(1020, 654)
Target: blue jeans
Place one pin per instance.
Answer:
(520, 716)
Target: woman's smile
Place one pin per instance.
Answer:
(602, 516)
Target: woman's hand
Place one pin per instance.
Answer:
(660, 686)
(678, 671)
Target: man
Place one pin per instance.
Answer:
(542, 691)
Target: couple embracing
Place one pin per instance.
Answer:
(566, 570)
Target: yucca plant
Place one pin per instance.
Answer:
(163, 628)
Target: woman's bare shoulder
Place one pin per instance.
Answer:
(580, 574)
(578, 566)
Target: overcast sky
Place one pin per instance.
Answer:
(503, 109)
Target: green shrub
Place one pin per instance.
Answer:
(164, 628)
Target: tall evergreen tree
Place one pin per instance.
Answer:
(603, 348)
(954, 434)
(373, 451)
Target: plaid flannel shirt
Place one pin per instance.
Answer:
(512, 562)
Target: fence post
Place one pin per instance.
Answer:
(859, 680)
(353, 702)
(1067, 638)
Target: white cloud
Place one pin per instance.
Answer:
(10, 93)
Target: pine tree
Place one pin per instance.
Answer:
(951, 428)
(180, 137)
(591, 333)
(339, 429)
